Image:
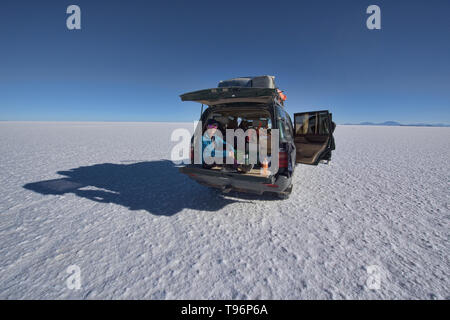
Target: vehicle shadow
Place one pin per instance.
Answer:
(154, 186)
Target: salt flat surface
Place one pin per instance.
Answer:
(102, 196)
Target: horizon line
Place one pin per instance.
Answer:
(363, 123)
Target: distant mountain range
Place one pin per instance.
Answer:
(395, 123)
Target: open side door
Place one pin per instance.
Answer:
(313, 136)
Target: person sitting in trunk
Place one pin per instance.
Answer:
(211, 142)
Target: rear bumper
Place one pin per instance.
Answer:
(235, 181)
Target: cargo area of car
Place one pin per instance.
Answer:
(244, 116)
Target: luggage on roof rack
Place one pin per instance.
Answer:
(249, 82)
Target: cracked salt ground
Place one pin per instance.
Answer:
(102, 196)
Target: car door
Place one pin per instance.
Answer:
(313, 138)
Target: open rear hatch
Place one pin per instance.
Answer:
(217, 96)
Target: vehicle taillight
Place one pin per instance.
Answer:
(271, 185)
(282, 159)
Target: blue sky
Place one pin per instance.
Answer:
(132, 59)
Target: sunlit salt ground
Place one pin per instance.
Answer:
(102, 196)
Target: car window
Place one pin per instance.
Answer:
(323, 123)
(289, 125)
(312, 123)
(281, 128)
(283, 124)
